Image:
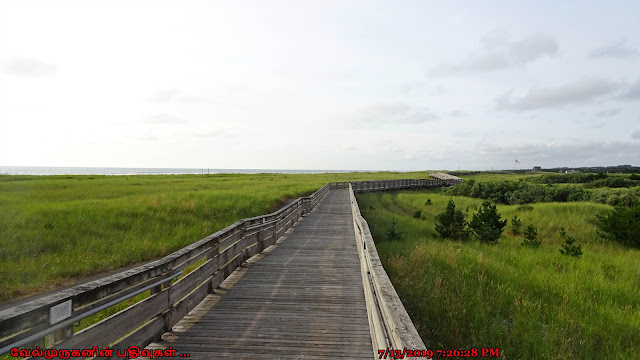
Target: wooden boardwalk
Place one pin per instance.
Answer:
(303, 299)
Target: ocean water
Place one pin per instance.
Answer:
(43, 170)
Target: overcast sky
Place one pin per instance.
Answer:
(362, 85)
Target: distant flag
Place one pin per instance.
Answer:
(517, 162)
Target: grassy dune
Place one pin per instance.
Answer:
(532, 303)
(55, 230)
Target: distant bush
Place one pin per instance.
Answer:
(417, 214)
(525, 192)
(516, 224)
(531, 236)
(592, 180)
(577, 178)
(428, 202)
(569, 247)
(487, 224)
(620, 197)
(621, 225)
(613, 182)
(451, 223)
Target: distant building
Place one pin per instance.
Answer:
(572, 171)
(537, 168)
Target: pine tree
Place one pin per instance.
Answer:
(531, 236)
(392, 233)
(516, 224)
(486, 223)
(569, 248)
(451, 223)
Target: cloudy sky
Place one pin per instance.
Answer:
(379, 85)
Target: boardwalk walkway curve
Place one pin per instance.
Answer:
(311, 296)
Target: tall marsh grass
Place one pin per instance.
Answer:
(531, 303)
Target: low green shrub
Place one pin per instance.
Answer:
(621, 225)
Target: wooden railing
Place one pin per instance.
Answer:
(27, 325)
(389, 324)
(382, 185)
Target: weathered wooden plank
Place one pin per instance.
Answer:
(179, 310)
(231, 266)
(112, 328)
(232, 238)
(217, 278)
(141, 337)
(36, 329)
(81, 310)
(183, 286)
(232, 251)
(252, 250)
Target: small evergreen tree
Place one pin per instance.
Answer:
(428, 202)
(417, 214)
(451, 223)
(392, 233)
(516, 224)
(531, 236)
(569, 248)
(486, 223)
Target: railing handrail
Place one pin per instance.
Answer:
(390, 325)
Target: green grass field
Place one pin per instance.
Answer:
(55, 230)
(531, 303)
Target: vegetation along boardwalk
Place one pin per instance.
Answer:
(304, 298)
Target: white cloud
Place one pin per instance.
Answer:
(210, 133)
(422, 88)
(608, 112)
(635, 135)
(396, 113)
(167, 96)
(633, 92)
(164, 96)
(576, 92)
(29, 67)
(458, 113)
(533, 47)
(618, 49)
(499, 53)
(161, 119)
